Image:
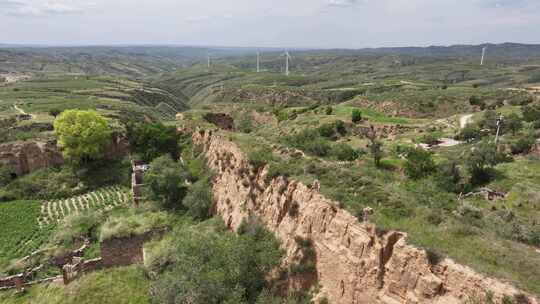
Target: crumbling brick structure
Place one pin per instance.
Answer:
(123, 251)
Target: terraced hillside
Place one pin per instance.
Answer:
(103, 199)
(118, 98)
(414, 86)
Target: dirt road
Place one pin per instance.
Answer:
(465, 120)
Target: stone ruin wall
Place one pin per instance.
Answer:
(123, 251)
(355, 264)
(115, 252)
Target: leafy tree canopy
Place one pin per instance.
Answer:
(166, 182)
(151, 140)
(419, 163)
(82, 135)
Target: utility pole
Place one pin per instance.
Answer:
(499, 124)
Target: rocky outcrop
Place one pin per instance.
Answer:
(355, 263)
(221, 120)
(25, 157)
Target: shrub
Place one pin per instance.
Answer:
(327, 130)
(481, 160)
(259, 157)
(54, 112)
(281, 114)
(76, 226)
(245, 124)
(523, 146)
(434, 258)
(430, 139)
(310, 142)
(419, 163)
(134, 224)
(340, 128)
(475, 101)
(356, 116)
(329, 110)
(469, 133)
(5, 175)
(343, 152)
(235, 266)
(531, 113)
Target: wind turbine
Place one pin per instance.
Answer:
(209, 60)
(483, 55)
(258, 61)
(287, 58)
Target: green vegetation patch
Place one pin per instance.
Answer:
(371, 115)
(20, 230)
(127, 285)
(134, 224)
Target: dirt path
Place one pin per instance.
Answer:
(465, 120)
(23, 112)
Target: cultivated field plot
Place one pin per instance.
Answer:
(102, 199)
(21, 233)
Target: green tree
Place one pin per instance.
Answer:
(531, 113)
(82, 135)
(469, 133)
(165, 182)
(419, 163)
(151, 140)
(449, 177)
(513, 123)
(198, 201)
(523, 145)
(375, 146)
(356, 116)
(481, 160)
(490, 120)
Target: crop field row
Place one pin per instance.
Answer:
(52, 212)
(21, 233)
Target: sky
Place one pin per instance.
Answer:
(270, 23)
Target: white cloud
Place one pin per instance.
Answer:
(287, 23)
(342, 3)
(42, 8)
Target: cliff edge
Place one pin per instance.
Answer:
(355, 263)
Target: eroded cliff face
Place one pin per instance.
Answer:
(354, 263)
(25, 157)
